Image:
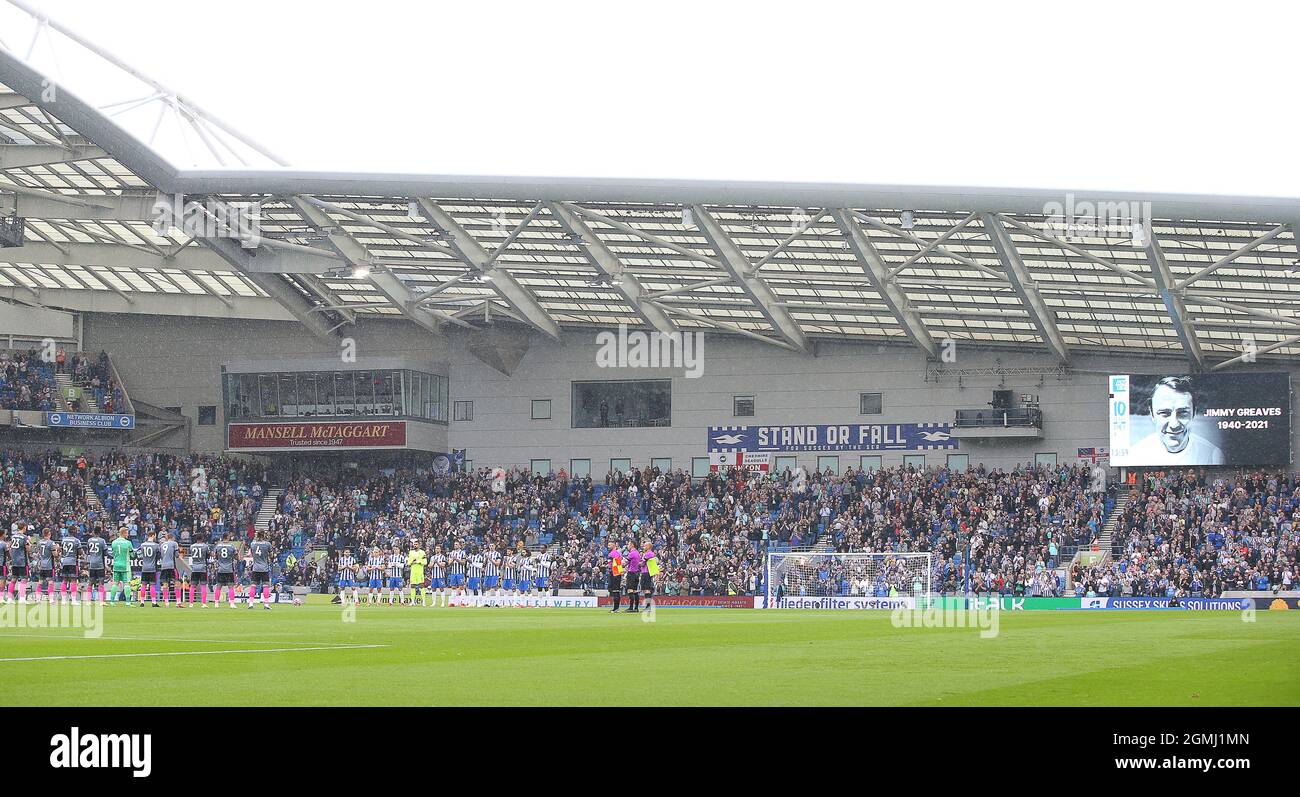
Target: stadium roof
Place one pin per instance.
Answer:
(1207, 278)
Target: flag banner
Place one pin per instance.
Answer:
(737, 459)
(1099, 454)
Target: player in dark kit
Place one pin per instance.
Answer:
(5, 596)
(261, 550)
(69, 554)
(45, 548)
(149, 570)
(168, 554)
(225, 554)
(18, 562)
(96, 551)
(198, 554)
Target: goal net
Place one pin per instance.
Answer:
(799, 579)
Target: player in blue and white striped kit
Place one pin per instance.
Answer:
(348, 576)
(375, 569)
(394, 584)
(456, 575)
(438, 576)
(511, 570)
(474, 576)
(492, 572)
(543, 578)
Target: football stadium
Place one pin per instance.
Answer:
(274, 437)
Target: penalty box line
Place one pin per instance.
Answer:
(189, 653)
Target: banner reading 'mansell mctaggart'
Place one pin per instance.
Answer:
(317, 434)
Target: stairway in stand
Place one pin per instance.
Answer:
(1112, 522)
(64, 382)
(92, 499)
(266, 511)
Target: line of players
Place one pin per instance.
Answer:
(71, 569)
(457, 577)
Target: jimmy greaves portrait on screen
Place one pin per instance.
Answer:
(1180, 435)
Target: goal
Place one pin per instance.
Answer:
(861, 579)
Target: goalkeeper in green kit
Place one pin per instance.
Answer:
(122, 550)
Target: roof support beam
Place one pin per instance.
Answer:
(1076, 250)
(274, 286)
(1228, 258)
(725, 325)
(608, 263)
(935, 244)
(392, 288)
(927, 246)
(1023, 283)
(175, 304)
(745, 274)
(1262, 350)
(650, 238)
(21, 156)
(877, 272)
(473, 255)
(1171, 295)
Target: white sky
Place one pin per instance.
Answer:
(1186, 97)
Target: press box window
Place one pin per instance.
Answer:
(743, 406)
(870, 404)
(642, 402)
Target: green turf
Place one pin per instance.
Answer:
(687, 657)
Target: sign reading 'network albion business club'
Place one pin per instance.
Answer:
(90, 420)
(833, 437)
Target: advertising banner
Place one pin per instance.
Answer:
(1022, 604)
(1201, 419)
(89, 420)
(1190, 604)
(832, 437)
(700, 601)
(316, 434)
(888, 604)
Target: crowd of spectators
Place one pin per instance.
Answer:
(26, 383)
(192, 496)
(994, 530)
(1193, 534)
(43, 489)
(93, 375)
(989, 531)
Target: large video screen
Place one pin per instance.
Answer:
(1200, 419)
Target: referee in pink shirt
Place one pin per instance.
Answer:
(633, 578)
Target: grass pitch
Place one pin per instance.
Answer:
(393, 656)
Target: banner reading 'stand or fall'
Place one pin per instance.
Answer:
(317, 434)
(833, 437)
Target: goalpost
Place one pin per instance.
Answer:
(791, 576)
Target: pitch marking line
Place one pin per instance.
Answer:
(226, 641)
(188, 653)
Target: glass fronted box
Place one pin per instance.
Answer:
(309, 394)
(644, 402)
